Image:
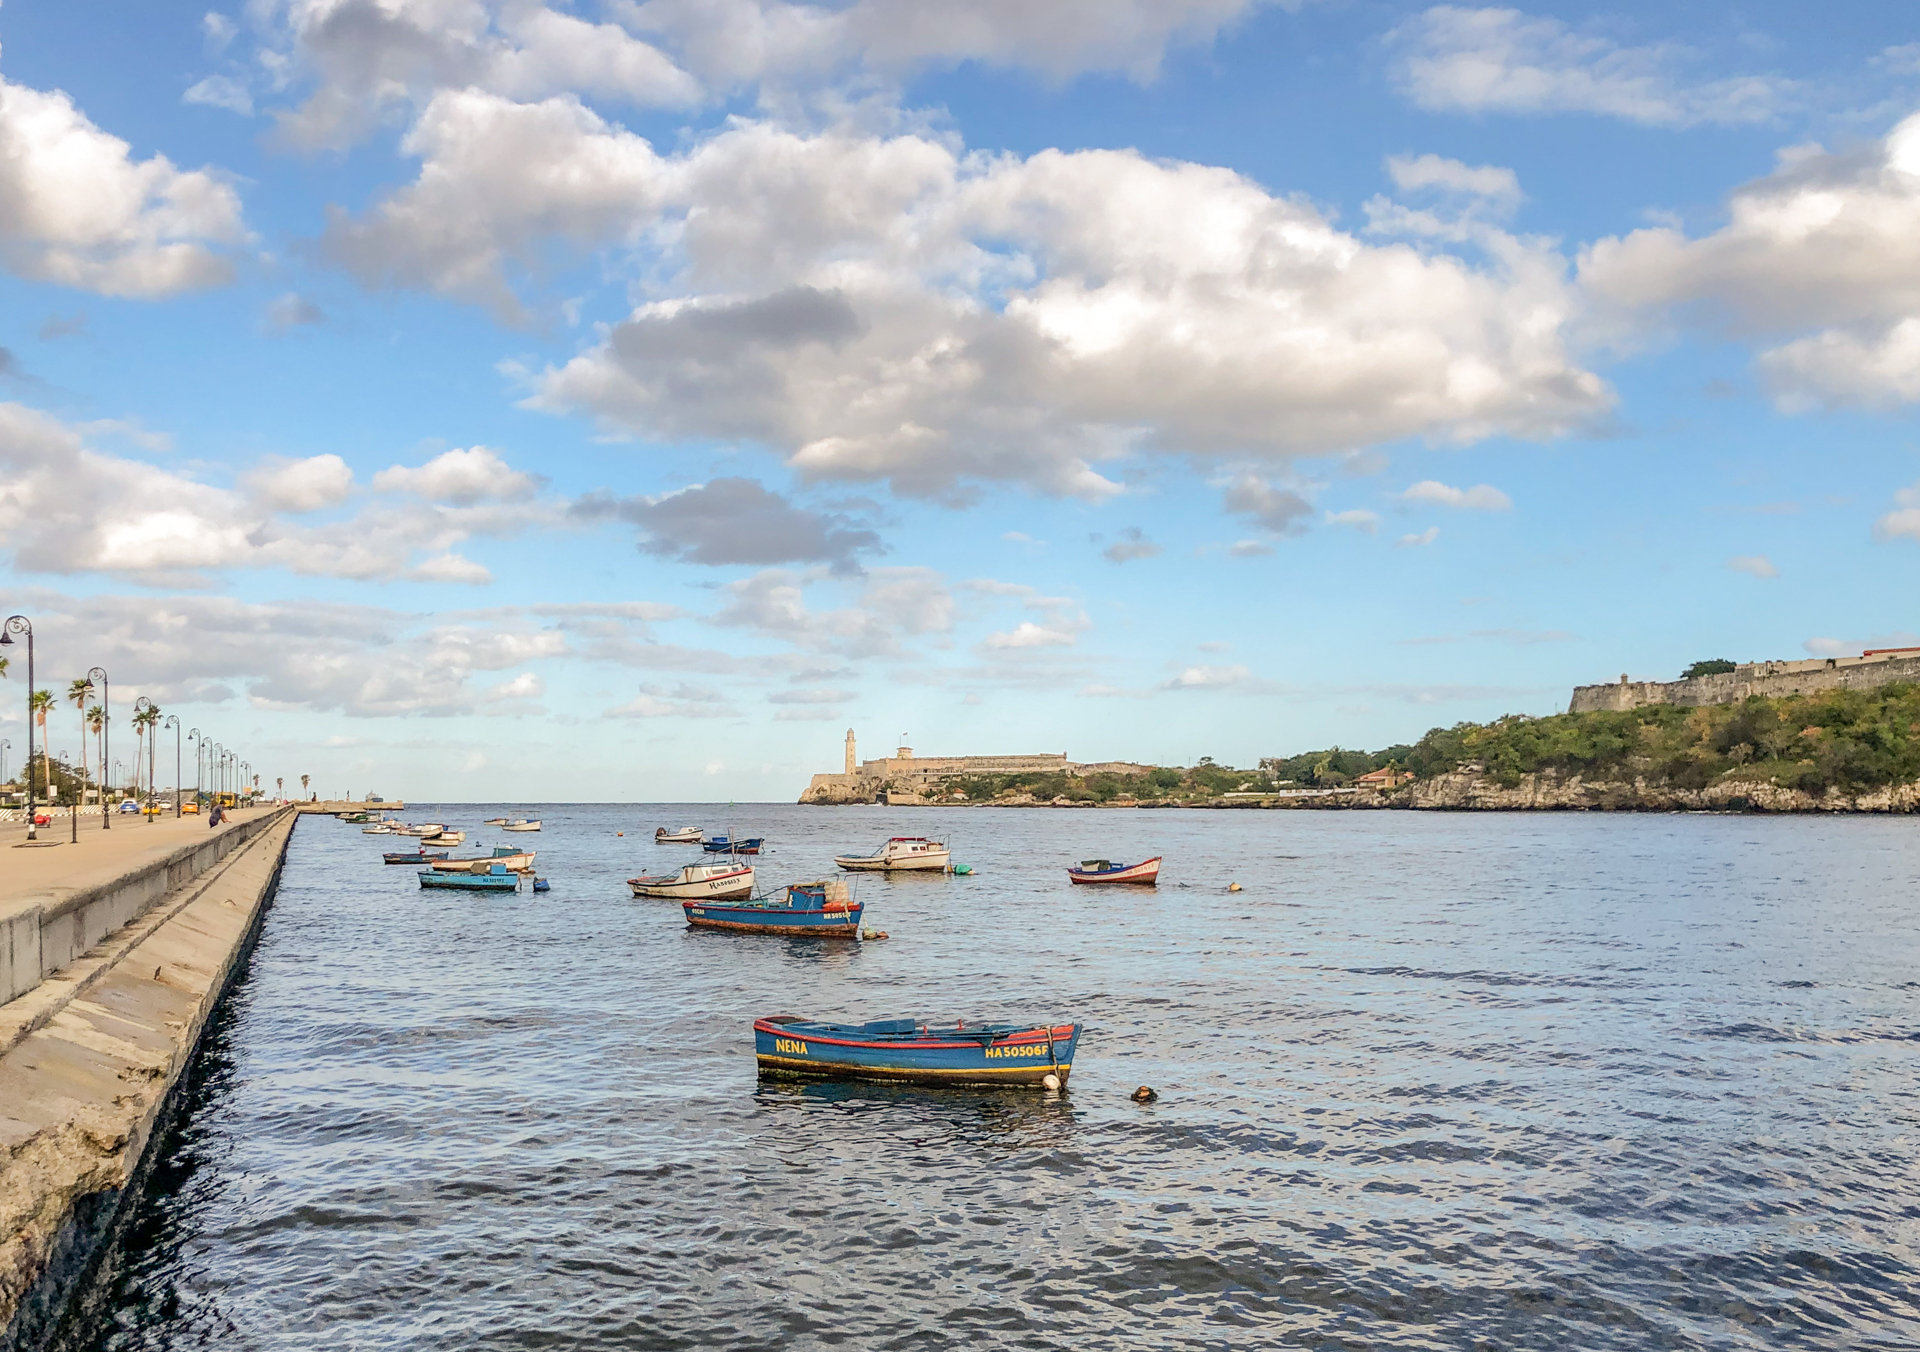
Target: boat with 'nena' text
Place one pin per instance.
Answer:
(903, 1049)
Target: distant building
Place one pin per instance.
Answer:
(906, 778)
(1384, 778)
(1875, 667)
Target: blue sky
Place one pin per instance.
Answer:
(619, 399)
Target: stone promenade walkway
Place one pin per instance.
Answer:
(101, 855)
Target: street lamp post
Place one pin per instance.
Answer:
(99, 676)
(145, 706)
(174, 719)
(20, 624)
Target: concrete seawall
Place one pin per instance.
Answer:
(91, 1054)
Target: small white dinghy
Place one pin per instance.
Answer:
(522, 825)
(686, 835)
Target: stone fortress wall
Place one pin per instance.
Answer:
(906, 778)
(1875, 667)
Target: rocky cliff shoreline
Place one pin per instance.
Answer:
(1469, 792)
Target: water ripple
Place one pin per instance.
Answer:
(1436, 1082)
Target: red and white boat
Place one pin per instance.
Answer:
(1106, 871)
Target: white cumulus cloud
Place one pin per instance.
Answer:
(1822, 253)
(1753, 565)
(1001, 318)
(77, 209)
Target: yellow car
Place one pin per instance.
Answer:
(190, 809)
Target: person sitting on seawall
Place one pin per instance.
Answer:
(218, 815)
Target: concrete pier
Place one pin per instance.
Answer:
(116, 952)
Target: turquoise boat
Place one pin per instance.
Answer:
(496, 879)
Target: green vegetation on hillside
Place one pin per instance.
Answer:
(1845, 739)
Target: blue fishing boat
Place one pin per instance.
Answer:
(901, 1049)
(819, 910)
(413, 857)
(499, 878)
(728, 845)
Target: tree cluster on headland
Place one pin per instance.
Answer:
(1808, 747)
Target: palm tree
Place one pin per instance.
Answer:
(78, 692)
(303, 785)
(97, 725)
(37, 705)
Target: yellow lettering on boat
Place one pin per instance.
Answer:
(787, 1044)
(994, 1053)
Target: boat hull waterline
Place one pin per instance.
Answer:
(878, 1051)
(1146, 873)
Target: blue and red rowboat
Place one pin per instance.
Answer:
(900, 1049)
(1106, 871)
(822, 910)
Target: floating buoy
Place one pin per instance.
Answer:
(1144, 1094)
(1049, 1081)
(619, 833)
(1233, 887)
(871, 935)
(960, 868)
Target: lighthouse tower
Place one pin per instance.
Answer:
(849, 750)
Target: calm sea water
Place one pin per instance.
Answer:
(1430, 1081)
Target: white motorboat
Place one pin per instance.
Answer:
(686, 835)
(445, 838)
(899, 854)
(494, 821)
(715, 882)
(381, 829)
(522, 825)
(430, 829)
(516, 861)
